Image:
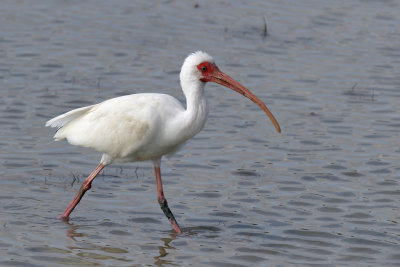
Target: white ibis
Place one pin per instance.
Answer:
(146, 126)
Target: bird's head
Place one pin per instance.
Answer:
(200, 68)
(190, 69)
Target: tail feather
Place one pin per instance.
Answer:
(63, 119)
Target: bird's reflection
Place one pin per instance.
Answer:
(187, 233)
(73, 233)
(72, 230)
(164, 250)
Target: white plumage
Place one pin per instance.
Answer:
(139, 127)
(146, 126)
(128, 128)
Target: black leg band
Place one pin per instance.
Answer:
(164, 206)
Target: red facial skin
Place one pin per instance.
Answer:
(211, 73)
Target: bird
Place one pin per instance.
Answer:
(147, 126)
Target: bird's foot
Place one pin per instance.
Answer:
(62, 218)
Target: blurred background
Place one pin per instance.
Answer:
(325, 192)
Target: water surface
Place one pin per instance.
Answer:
(325, 192)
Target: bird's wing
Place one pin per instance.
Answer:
(118, 126)
(63, 119)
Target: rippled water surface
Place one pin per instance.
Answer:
(325, 192)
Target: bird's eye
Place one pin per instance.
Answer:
(204, 68)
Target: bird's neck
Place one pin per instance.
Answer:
(196, 107)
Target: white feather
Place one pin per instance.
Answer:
(140, 126)
(63, 119)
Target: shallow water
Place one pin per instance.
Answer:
(324, 192)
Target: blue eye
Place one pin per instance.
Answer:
(204, 68)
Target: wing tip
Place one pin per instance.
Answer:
(53, 123)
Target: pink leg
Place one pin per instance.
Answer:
(87, 184)
(163, 202)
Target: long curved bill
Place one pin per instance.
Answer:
(225, 80)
